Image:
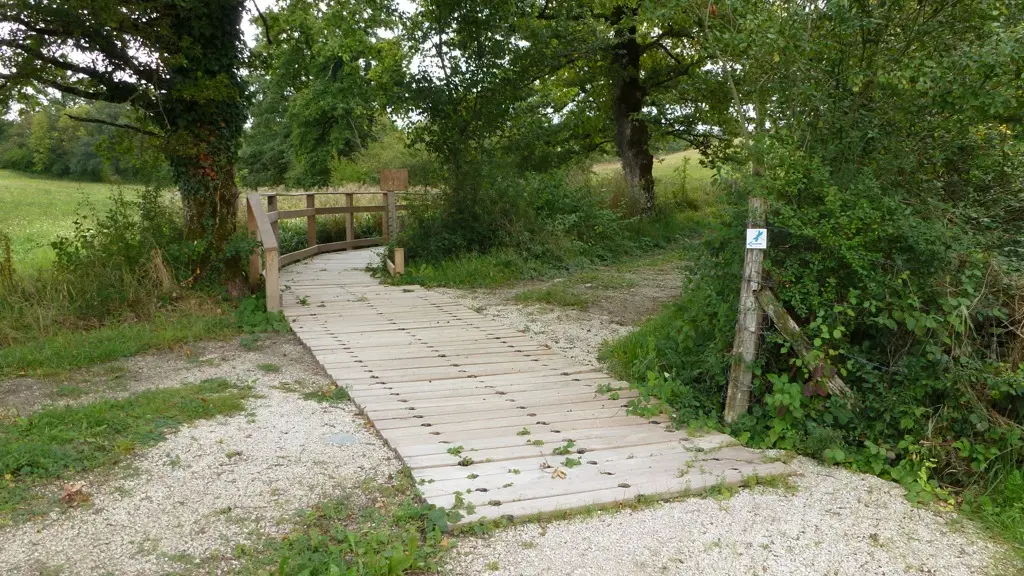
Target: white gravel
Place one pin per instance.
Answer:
(211, 485)
(574, 334)
(837, 523)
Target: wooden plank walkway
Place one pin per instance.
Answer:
(477, 409)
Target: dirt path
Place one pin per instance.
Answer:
(187, 503)
(608, 303)
(829, 521)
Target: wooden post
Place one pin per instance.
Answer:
(748, 322)
(817, 366)
(272, 207)
(385, 221)
(311, 221)
(399, 261)
(350, 228)
(392, 180)
(392, 213)
(254, 258)
(273, 281)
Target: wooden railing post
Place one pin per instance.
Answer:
(311, 221)
(392, 180)
(260, 221)
(254, 258)
(350, 221)
(748, 321)
(272, 207)
(399, 261)
(385, 220)
(273, 281)
(392, 213)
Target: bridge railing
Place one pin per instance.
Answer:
(263, 225)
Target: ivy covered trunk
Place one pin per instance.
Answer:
(203, 164)
(204, 113)
(632, 134)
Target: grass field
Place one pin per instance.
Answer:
(670, 171)
(36, 210)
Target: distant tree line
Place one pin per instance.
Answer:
(49, 141)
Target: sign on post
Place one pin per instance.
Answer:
(757, 239)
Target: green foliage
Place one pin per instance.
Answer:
(48, 142)
(526, 226)
(64, 350)
(129, 263)
(892, 243)
(55, 442)
(380, 531)
(325, 82)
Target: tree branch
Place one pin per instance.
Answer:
(266, 25)
(142, 131)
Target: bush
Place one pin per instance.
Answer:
(124, 265)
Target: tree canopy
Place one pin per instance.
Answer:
(176, 62)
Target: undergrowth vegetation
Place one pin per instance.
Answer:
(894, 234)
(500, 228)
(383, 530)
(123, 282)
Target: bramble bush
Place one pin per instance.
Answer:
(894, 243)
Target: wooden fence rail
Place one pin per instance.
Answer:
(263, 226)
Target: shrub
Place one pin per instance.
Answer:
(126, 264)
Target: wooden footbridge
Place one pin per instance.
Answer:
(488, 420)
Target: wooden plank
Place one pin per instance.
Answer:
(298, 255)
(348, 245)
(329, 210)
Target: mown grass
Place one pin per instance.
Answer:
(37, 210)
(55, 443)
(71, 350)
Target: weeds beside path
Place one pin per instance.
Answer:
(208, 498)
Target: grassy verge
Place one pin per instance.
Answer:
(54, 443)
(74, 349)
(647, 241)
(378, 530)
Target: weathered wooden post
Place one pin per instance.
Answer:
(254, 258)
(311, 220)
(272, 207)
(392, 180)
(748, 322)
(350, 221)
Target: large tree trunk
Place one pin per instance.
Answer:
(204, 170)
(632, 135)
(203, 113)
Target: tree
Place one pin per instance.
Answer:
(641, 65)
(175, 61)
(324, 76)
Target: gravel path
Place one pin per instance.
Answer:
(574, 334)
(212, 485)
(836, 523)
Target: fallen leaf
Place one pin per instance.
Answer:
(558, 473)
(75, 494)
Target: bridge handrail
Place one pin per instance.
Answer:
(263, 225)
